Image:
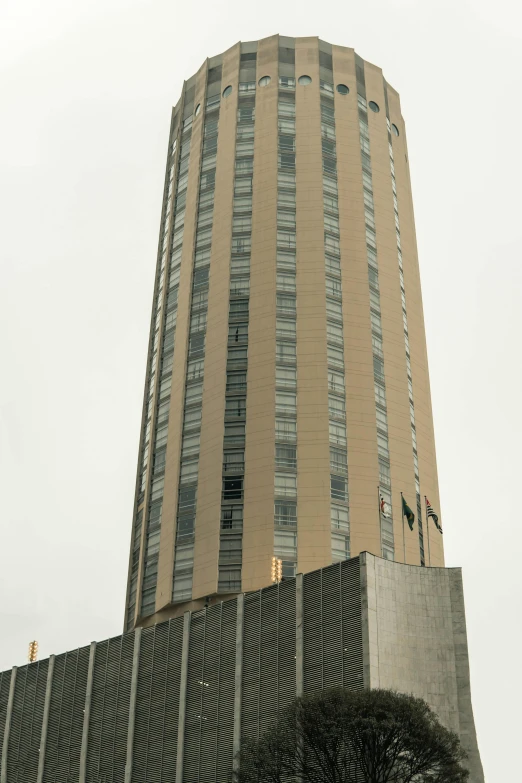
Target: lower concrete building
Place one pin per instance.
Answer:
(171, 703)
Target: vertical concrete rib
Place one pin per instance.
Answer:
(132, 703)
(258, 526)
(370, 632)
(45, 719)
(467, 732)
(86, 714)
(7, 729)
(183, 696)
(238, 682)
(364, 619)
(299, 676)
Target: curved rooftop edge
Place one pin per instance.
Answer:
(172, 701)
(288, 42)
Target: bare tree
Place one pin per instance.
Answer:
(341, 736)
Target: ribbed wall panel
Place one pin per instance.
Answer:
(286, 644)
(210, 694)
(64, 729)
(353, 676)
(332, 627)
(26, 722)
(332, 630)
(157, 703)
(107, 739)
(312, 632)
(5, 682)
(251, 665)
(225, 707)
(142, 750)
(268, 650)
(268, 656)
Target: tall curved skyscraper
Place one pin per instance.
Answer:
(287, 407)
(287, 437)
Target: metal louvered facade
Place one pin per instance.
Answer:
(157, 703)
(171, 703)
(5, 683)
(332, 634)
(23, 746)
(65, 725)
(109, 710)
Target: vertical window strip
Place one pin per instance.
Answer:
(167, 320)
(385, 489)
(339, 499)
(191, 429)
(285, 477)
(406, 341)
(232, 496)
(152, 390)
(135, 561)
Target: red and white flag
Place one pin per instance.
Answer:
(430, 513)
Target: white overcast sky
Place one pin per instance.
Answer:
(86, 90)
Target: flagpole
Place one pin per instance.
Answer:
(380, 515)
(403, 533)
(427, 529)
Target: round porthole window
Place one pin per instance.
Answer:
(374, 106)
(305, 79)
(395, 130)
(264, 81)
(198, 109)
(227, 91)
(343, 89)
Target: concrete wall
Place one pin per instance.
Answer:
(414, 620)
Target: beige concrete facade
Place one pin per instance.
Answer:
(258, 533)
(313, 468)
(334, 163)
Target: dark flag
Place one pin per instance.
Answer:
(408, 513)
(430, 513)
